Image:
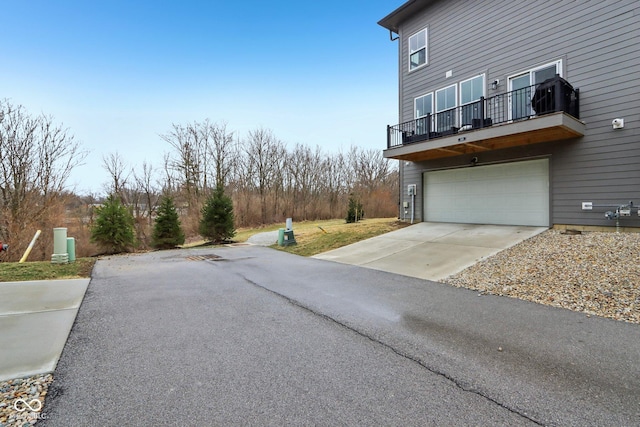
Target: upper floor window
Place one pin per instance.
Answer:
(418, 49)
(445, 108)
(424, 105)
(471, 91)
(423, 111)
(446, 98)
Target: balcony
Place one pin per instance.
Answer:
(534, 114)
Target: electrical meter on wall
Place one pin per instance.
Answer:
(411, 189)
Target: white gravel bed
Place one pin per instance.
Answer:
(22, 400)
(597, 273)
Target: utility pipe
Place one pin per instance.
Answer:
(413, 203)
(28, 251)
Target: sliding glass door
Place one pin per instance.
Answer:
(522, 89)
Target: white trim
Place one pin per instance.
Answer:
(445, 120)
(455, 86)
(415, 115)
(484, 88)
(461, 114)
(426, 49)
(558, 65)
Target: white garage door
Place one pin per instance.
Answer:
(510, 194)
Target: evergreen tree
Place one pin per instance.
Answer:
(216, 224)
(113, 229)
(167, 232)
(354, 211)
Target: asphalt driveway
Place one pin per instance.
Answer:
(252, 336)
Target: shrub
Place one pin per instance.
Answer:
(354, 211)
(216, 224)
(113, 229)
(167, 232)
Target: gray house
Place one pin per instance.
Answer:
(518, 112)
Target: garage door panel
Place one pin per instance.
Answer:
(511, 193)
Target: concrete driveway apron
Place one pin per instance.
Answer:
(430, 250)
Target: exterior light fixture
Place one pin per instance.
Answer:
(494, 84)
(617, 123)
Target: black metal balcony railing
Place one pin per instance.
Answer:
(551, 96)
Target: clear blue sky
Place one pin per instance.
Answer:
(119, 73)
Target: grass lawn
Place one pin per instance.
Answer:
(45, 270)
(316, 237)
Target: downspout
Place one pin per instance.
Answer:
(401, 210)
(413, 204)
(401, 163)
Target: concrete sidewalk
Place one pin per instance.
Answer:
(266, 238)
(35, 320)
(431, 250)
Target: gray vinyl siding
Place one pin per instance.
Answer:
(597, 42)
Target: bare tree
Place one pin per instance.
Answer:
(369, 167)
(304, 166)
(335, 181)
(119, 173)
(200, 138)
(169, 181)
(222, 150)
(265, 157)
(186, 159)
(267, 181)
(374, 179)
(36, 159)
(144, 179)
(244, 188)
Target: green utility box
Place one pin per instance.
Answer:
(71, 248)
(286, 237)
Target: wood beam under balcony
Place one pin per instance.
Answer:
(551, 127)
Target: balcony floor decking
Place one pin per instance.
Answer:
(550, 127)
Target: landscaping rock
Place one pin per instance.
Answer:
(593, 272)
